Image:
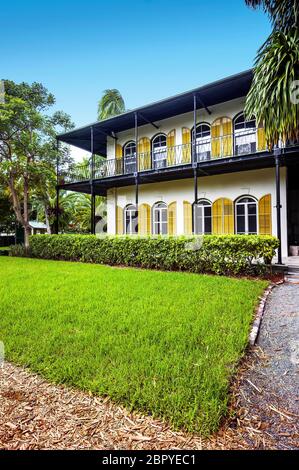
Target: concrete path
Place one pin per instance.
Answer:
(269, 390)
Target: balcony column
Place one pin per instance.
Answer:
(193, 136)
(92, 193)
(194, 158)
(57, 189)
(277, 153)
(137, 165)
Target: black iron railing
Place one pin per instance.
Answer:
(204, 149)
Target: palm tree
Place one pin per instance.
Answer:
(111, 104)
(275, 70)
(44, 206)
(283, 13)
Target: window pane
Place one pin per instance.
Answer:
(159, 141)
(134, 222)
(127, 223)
(164, 228)
(164, 215)
(252, 209)
(240, 224)
(240, 209)
(252, 224)
(208, 219)
(208, 225)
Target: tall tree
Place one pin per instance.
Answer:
(111, 104)
(27, 144)
(276, 71)
(7, 217)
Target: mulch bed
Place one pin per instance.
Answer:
(35, 414)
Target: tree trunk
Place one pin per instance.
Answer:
(27, 233)
(47, 220)
(15, 201)
(27, 230)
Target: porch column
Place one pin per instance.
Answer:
(193, 137)
(92, 193)
(57, 188)
(277, 153)
(194, 158)
(137, 165)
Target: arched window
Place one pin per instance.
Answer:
(202, 213)
(131, 220)
(159, 151)
(130, 157)
(245, 135)
(246, 215)
(203, 141)
(160, 219)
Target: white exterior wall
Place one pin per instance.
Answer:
(229, 109)
(231, 185)
(256, 183)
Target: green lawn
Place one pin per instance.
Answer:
(164, 343)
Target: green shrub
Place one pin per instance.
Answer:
(19, 250)
(220, 254)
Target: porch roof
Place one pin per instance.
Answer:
(211, 94)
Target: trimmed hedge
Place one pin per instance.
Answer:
(220, 254)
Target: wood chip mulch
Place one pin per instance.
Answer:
(35, 414)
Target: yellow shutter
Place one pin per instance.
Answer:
(227, 139)
(216, 138)
(228, 216)
(187, 218)
(118, 156)
(171, 160)
(144, 219)
(217, 216)
(144, 153)
(261, 139)
(223, 216)
(265, 215)
(186, 141)
(119, 221)
(171, 213)
(222, 137)
(118, 151)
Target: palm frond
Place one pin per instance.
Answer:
(269, 99)
(284, 14)
(111, 104)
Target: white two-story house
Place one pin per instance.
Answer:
(191, 164)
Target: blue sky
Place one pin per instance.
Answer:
(148, 49)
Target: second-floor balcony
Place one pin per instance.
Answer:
(206, 148)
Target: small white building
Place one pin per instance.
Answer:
(37, 227)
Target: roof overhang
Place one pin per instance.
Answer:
(227, 89)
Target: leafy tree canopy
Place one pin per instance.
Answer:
(28, 153)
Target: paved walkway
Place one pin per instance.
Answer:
(37, 415)
(269, 390)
